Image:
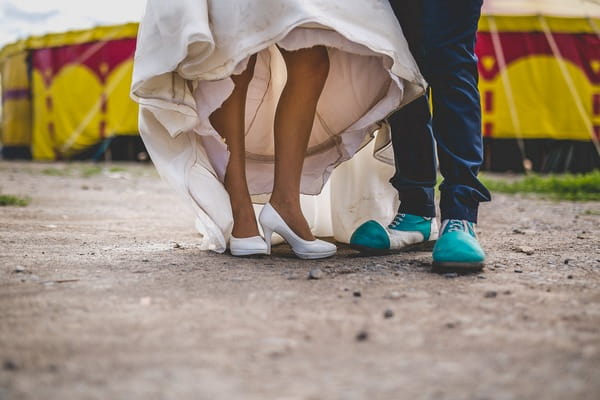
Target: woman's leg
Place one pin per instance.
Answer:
(307, 71)
(229, 121)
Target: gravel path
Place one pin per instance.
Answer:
(105, 295)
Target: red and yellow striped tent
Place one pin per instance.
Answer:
(539, 64)
(64, 93)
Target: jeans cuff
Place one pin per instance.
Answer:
(457, 212)
(423, 210)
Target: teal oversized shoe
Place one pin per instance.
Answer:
(457, 249)
(405, 232)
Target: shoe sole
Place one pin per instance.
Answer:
(247, 253)
(421, 246)
(458, 267)
(314, 256)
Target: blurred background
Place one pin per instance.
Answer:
(66, 67)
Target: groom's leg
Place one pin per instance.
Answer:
(414, 155)
(448, 62)
(414, 158)
(414, 180)
(412, 137)
(443, 46)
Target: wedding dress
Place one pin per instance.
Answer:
(188, 49)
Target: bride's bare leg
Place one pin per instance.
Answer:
(229, 121)
(307, 71)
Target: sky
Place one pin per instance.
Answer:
(22, 18)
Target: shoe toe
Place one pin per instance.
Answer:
(247, 246)
(371, 235)
(457, 247)
(315, 249)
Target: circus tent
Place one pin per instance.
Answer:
(65, 95)
(539, 64)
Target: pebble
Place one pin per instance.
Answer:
(481, 277)
(518, 271)
(357, 293)
(589, 351)
(395, 295)
(362, 336)
(490, 294)
(387, 314)
(450, 275)
(277, 346)
(526, 249)
(145, 301)
(315, 273)
(569, 276)
(177, 246)
(450, 325)
(9, 365)
(19, 269)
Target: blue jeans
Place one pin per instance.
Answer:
(441, 35)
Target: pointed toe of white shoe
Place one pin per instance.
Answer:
(271, 221)
(315, 249)
(248, 246)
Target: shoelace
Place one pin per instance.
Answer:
(455, 225)
(397, 220)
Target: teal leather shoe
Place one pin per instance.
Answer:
(457, 249)
(405, 232)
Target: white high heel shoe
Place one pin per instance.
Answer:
(271, 221)
(247, 246)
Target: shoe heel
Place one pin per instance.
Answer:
(268, 233)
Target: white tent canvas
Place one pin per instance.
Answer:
(559, 8)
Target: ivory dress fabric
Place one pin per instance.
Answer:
(188, 49)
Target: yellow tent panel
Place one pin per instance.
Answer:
(79, 90)
(15, 128)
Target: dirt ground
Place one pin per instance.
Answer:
(104, 294)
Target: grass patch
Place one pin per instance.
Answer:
(575, 187)
(116, 169)
(84, 171)
(56, 171)
(87, 172)
(10, 200)
(591, 212)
